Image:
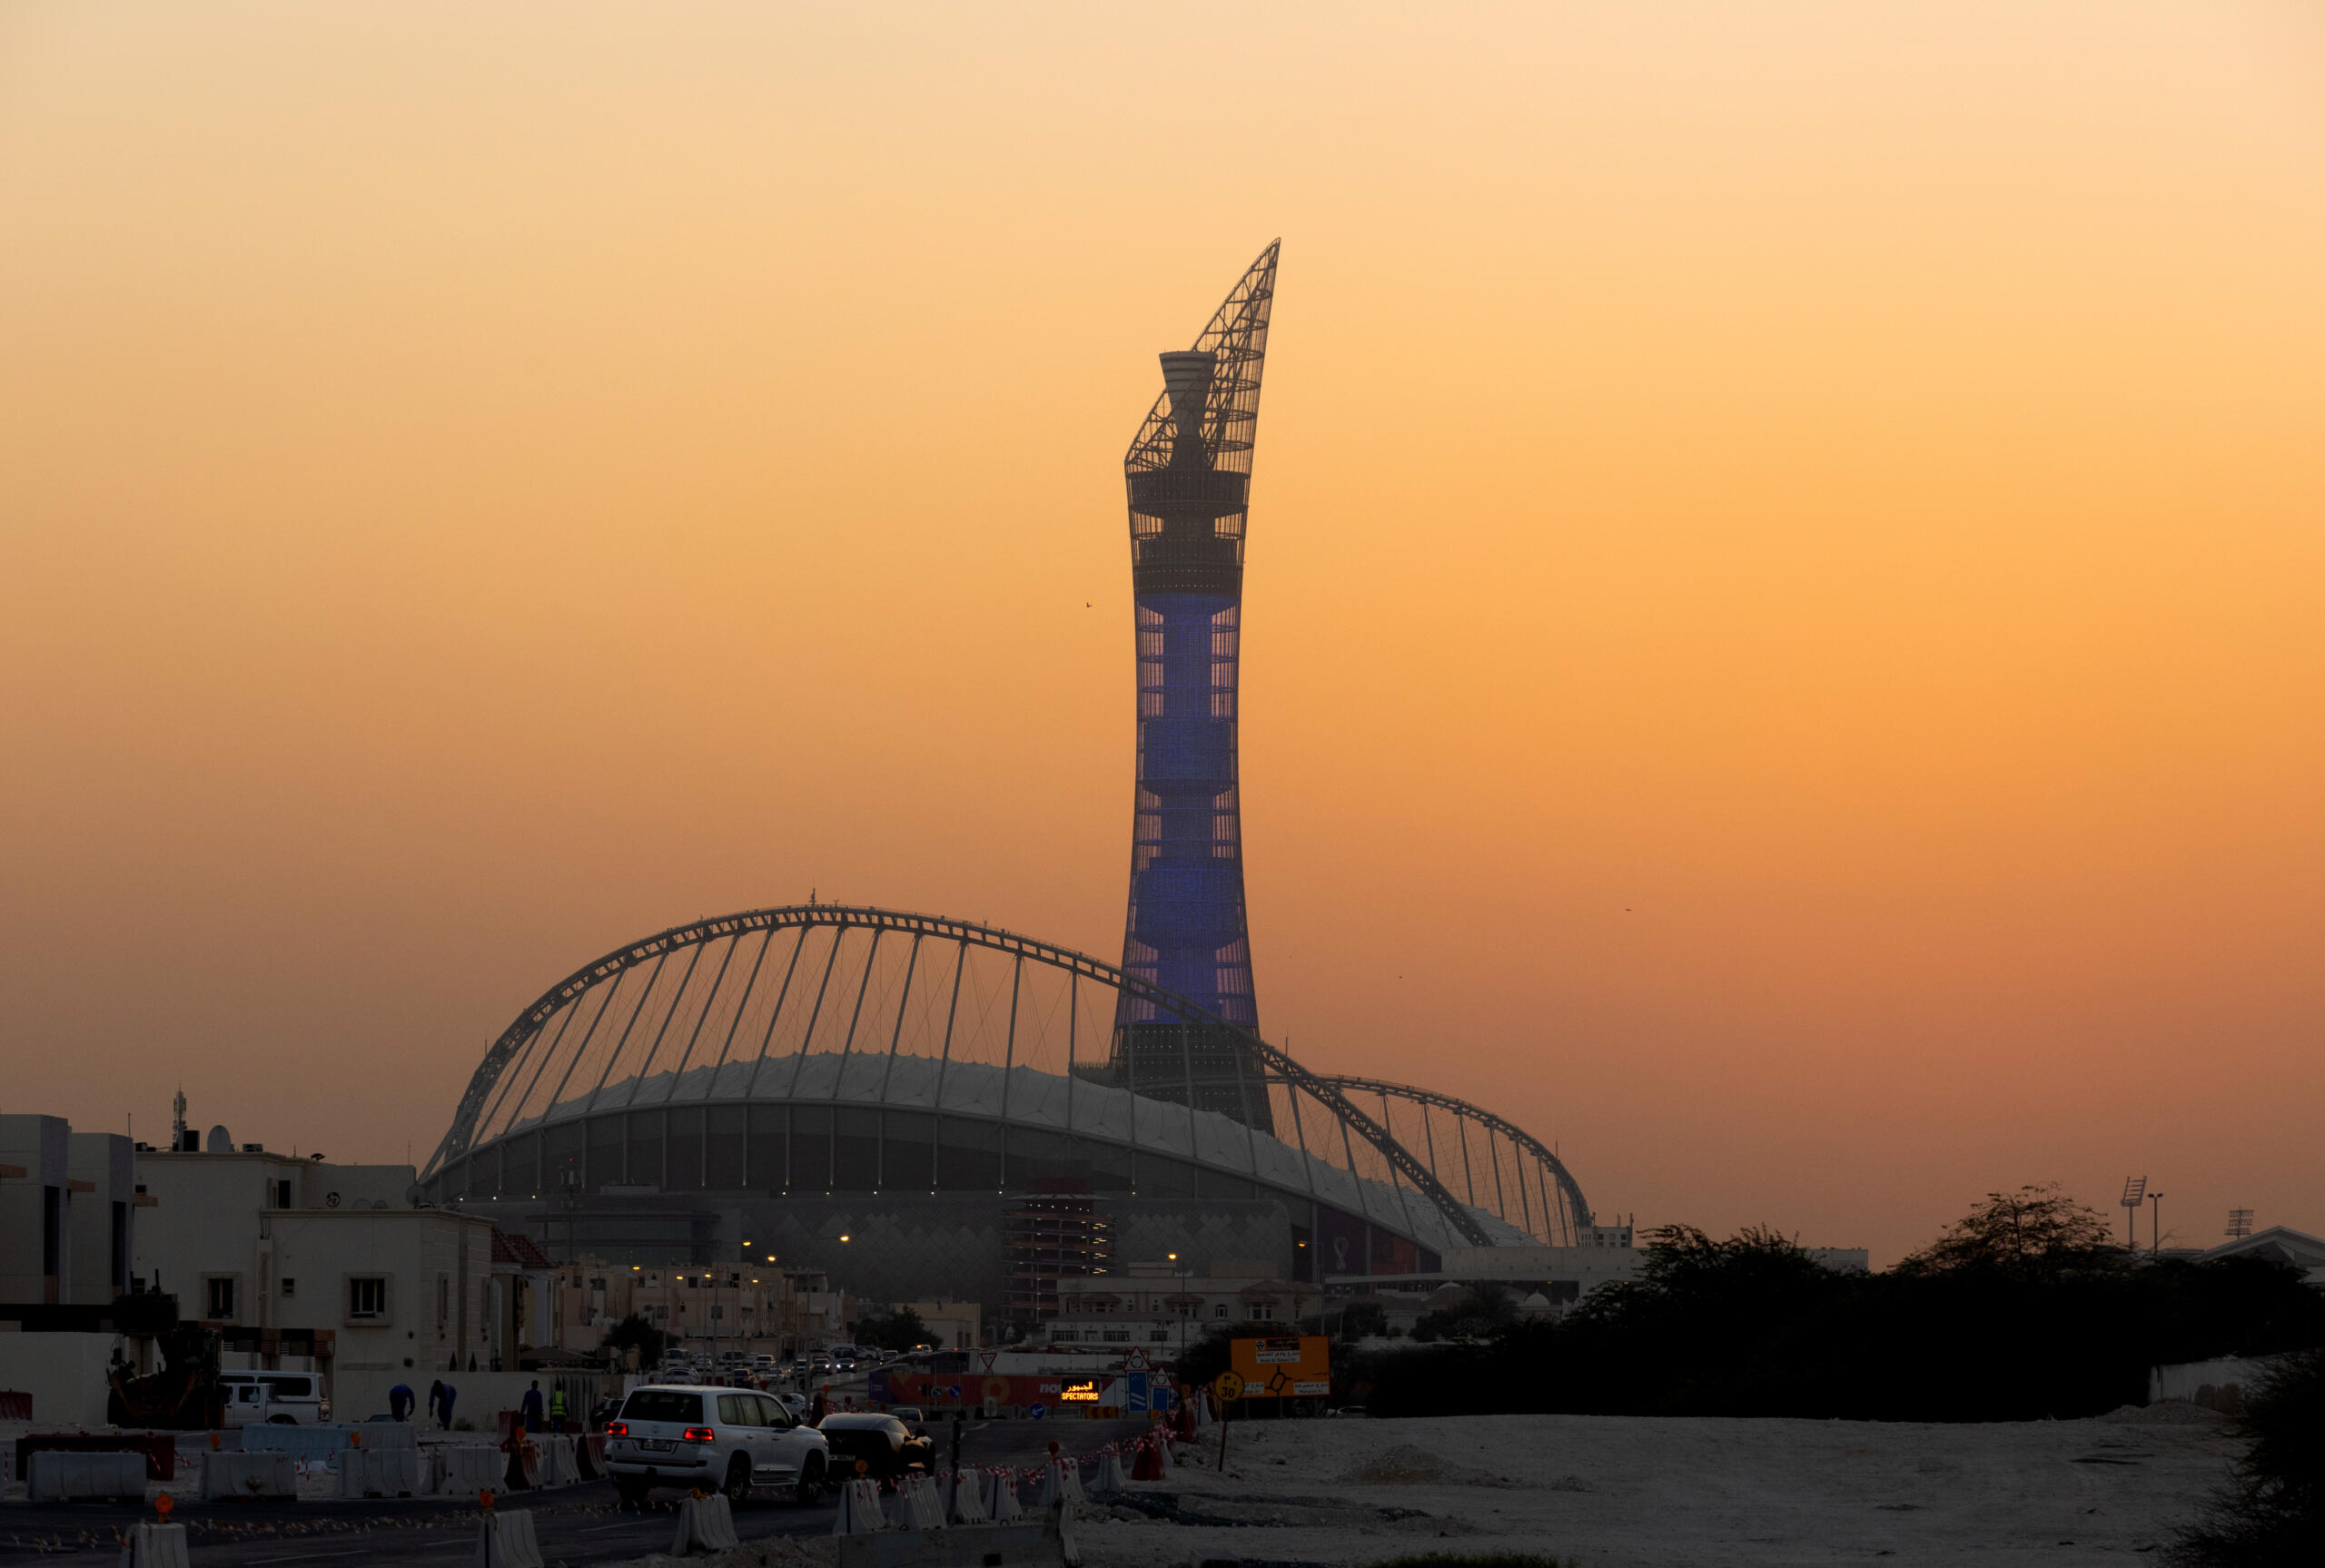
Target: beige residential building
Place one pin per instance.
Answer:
(729, 1305)
(1151, 1304)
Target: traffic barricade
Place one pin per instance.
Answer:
(153, 1545)
(508, 1541)
(227, 1474)
(705, 1525)
(58, 1476)
(859, 1509)
(379, 1473)
(968, 1497)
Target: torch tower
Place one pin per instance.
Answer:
(1188, 474)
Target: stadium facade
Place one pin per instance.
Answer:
(927, 1106)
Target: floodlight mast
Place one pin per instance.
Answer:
(2134, 1198)
(1189, 475)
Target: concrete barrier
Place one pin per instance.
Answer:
(705, 1525)
(226, 1474)
(1001, 1504)
(52, 1476)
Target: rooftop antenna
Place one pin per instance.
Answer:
(177, 1119)
(2135, 1199)
(2239, 1223)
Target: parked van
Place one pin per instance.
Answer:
(283, 1398)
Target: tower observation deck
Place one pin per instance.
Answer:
(1189, 475)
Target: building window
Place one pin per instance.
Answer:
(282, 1194)
(1220, 1310)
(1065, 1335)
(367, 1300)
(290, 1287)
(1115, 1335)
(218, 1296)
(1262, 1312)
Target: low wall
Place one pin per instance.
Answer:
(64, 1373)
(2220, 1385)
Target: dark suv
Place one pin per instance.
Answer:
(885, 1443)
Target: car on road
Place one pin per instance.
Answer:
(884, 1445)
(726, 1440)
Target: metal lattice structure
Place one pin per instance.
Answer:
(1488, 1162)
(1189, 476)
(815, 1049)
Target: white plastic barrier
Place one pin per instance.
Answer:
(705, 1525)
(1110, 1476)
(507, 1541)
(1060, 1483)
(915, 1505)
(859, 1509)
(151, 1545)
(465, 1469)
(968, 1498)
(379, 1473)
(1003, 1503)
(54, 1477)
(558, 1467)
(226, 1474)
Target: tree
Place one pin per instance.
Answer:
(635, 1332)
(1486, 1308)
(2274, 1511)
(898, 1328)
(2035, 1233)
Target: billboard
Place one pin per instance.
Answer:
(1292, 1366)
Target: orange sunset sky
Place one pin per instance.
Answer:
(1786, 616)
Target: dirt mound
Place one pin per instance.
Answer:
(2165, 1412)
(1407, 1465)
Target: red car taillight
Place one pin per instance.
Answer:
(616, 1428)
(699, 1435)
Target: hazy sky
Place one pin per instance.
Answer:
(1785, 619)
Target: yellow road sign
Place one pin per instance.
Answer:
(1227, 1385)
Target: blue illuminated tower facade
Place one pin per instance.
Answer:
(1189, 475)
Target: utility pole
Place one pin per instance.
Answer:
(2156, 1231)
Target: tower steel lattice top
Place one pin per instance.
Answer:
(1189, 476)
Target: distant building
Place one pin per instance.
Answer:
(1157, 1304)
(753, 1307)
(2279, 1244)
(68, 1214)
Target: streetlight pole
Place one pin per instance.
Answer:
(2156, 1233)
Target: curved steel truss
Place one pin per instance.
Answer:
(1551, 1207)
(663, 1026)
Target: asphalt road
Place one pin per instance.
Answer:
(575, 1525)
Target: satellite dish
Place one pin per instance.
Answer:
(220, 1142)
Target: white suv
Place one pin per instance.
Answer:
(719, 1439)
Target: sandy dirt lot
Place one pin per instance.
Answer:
(1606, 1490)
